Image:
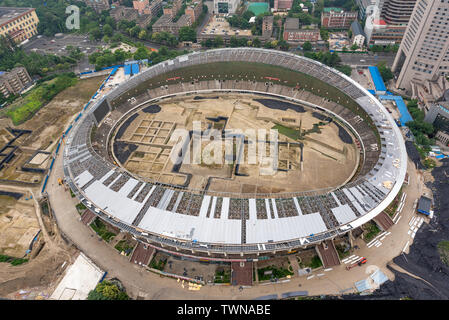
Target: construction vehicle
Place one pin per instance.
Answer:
(359, 263)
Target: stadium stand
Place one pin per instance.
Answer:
(233, 224)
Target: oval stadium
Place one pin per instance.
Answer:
(338, 158)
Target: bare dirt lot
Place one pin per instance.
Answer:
(328, 160)
(47, 126)
(19, 217)
(18, 225)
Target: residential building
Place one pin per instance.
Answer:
(397, 12)
(14, 81)
(18, 23)
(98, 5)
(336, 18)
(438, 115)
(282, 5)
(226, 6)
(292, 32)
(166, 24)
(379, 32)
(172, 8)
(387, 21)
(130, 14)
(358, 35)
(431, 91)
(194, 10)
(363, 5)
(267, 26)
(145, 7)
(424, 52)
(124, 13)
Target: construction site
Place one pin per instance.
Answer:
(311, 149)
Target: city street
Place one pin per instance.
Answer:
(368, 59)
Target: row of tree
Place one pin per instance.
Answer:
(330, 59)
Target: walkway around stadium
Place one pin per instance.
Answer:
(139, 282)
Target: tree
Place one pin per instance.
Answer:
(385, 72)
(134, 31)
(233, 42)
(107, 291)
(324, 33)
(354, 47)
(218, 41)
(107, 30)
(307, 46)
(142, 34)
(283, 45)
(256, 43)
(141, 53)
(96, 33)
(187, 34)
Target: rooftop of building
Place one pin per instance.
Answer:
(166, 18)
(424, 204)
(268, 18)
(333, 9)
(357, 29)
(291, 24)
(9, 13)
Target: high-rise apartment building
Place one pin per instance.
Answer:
(424, 51)
(397, 11)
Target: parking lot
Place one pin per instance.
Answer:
(219, 26)
(58, 45)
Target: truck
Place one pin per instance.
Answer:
(359, 263)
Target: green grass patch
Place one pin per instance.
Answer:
(13, 261)
(124, 246)
(158, 264)
(391, 209)
(341, 252)
(315, 262)
(429, 163)
(371, 230)
(288, 132)
(80, 207)
(443, 249)
(275, 273)
(100, 228)
(222, 276)
(23, 110)
(71, 193)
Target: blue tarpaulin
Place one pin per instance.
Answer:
(377, 79)
(127, 69)
(135, 68)
(363, 285)
(405, 115)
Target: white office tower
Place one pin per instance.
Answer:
(424, 52)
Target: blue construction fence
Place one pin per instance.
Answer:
(114, 70)
(383, 94)
(377, 79)
(405, 115)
